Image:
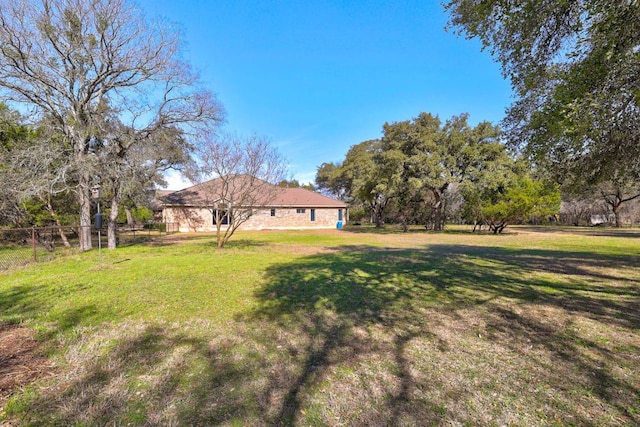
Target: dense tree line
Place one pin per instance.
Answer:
(425, 171)
(575, 70)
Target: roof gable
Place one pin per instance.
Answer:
(299, 197)
(247, 191)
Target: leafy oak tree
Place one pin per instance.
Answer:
(424, 157)
(331, 181)
(406, 174)
(523, 199)
(294, 183)
(74, 62)
(359, 180)
(575, 70)
(615, 193)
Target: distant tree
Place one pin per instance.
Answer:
(358, 180)
(133, 214)
(616, 194)
(246, 173)
(578, 209)
(516, 199)
(406, 174)
(293, 183)
(42, 178)
(367, 181)
(72, 62)
(35, 177)
(331, 181)
(13, 136)
(424, 157)
(621, 187)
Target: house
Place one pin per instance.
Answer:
(157, 204)
(257, 204)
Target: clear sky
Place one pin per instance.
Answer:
(317, 77)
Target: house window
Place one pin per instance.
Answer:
(339, 214)
(222, 216)
(301, 211)
(273, 212)
(313, 214)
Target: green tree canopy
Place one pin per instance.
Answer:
(422, 158)
(575, 69)
(405, 175)
(294, 183)
(523, 199)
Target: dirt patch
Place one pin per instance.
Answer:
(21, 360)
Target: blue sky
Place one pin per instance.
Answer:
(317, 77)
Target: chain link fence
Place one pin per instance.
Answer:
(21, 246)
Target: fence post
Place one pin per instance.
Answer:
(33, 243)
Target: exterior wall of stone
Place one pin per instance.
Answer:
(197, 219)
(286, 218)
(189, 219)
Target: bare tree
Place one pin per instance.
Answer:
(243, 174)
(13, 135)
(29, 170)
(74, 61)
(131, 167)
(40, 172)
(616, 195)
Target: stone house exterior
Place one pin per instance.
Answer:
(266, 207)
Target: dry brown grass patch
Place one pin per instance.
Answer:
(21, 360)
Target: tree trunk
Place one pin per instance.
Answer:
(378, 221)
(127, 211)
(377, 215)
(84, 196)
(219, 237)
(499, 227)
(112, 224)
(218, 222)
(437, 211)
(54, 215)
(615, 207)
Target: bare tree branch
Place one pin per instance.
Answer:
(237, 175)
(76, 61)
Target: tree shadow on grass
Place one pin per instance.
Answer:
(586, 231)
(141, 374)
(242, 244)
(603, 287)
(18, 301)
(363, 336)
(396, 290)
(210, 244)
(365, 284)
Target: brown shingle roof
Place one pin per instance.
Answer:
(162, 193)
(265, 195)
(157, 202)
(299, 197)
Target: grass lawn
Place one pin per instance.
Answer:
(537, 327)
